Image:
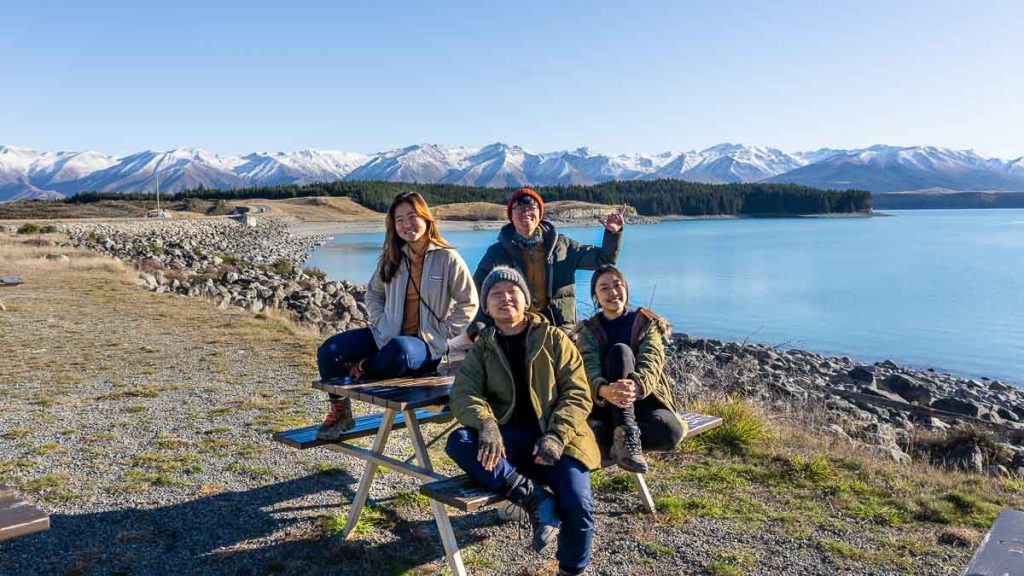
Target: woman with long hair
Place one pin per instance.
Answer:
(420, 296)
(623, 352)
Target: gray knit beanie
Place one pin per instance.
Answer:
(504, 274)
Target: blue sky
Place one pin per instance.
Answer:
(615, 76)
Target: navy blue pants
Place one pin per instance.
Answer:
(569, 479)
(401, 356)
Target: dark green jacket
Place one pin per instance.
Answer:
(560, 396)
(648, 344)
(564, 257)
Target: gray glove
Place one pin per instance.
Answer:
(490, 447)
(548, 450)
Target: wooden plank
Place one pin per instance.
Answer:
(461, 493)
(1002, 550)
(395, 393)
(645, 493)
(303, 438)
(699, 423)
(363, 490)
(19, 518)
(376, 459)
(10, 281)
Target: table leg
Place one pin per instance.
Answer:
(645, 494)
(444, 525)
(363, 491)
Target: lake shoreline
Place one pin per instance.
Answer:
(306, 228)
(119, 240)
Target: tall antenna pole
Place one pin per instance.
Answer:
(158, 191)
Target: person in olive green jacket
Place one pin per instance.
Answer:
(523, 397)
(624, 354)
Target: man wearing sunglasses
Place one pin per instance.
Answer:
(548, 260)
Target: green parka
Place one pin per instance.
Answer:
(484, 388)
(648, 344)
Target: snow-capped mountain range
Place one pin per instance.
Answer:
(28, 173)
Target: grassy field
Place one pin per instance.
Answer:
(119, 400)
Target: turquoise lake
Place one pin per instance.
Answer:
(939, 289)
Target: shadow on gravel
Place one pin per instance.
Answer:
(250, 532)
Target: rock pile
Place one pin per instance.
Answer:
(251, 267)
(813, 384)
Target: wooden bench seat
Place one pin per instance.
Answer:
(461, 493)
(1000, 549)
(303, 438)
(17, 517)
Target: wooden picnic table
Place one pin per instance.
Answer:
(406, 397)
(17, 517)
(408, 403)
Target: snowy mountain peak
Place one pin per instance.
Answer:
(30, 173)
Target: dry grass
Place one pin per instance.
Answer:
(862, 512)
(470, 211)
(316, 209)
(89, 313)
(44, 209)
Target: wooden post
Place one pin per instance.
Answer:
(371, 468)
(444, 524)
(645, 494)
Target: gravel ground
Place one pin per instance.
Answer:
(141, 422)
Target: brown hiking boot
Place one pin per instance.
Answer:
(626, 451)
(339, 419)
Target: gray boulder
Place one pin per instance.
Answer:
(911, 389)
(864, 374)
(966, 456)
(958, 406)
(873, 391)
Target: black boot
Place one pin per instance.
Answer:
(539, 504)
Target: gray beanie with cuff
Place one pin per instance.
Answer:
(504, 274)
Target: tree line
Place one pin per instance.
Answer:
(650, 198)
(949, 201)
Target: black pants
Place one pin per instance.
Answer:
(660, 429)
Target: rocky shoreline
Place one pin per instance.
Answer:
(255, 267)
(896, 412)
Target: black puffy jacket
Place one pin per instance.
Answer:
(564, 257)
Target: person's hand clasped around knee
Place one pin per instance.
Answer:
(620, 393)
(491, 447)
(548, 450)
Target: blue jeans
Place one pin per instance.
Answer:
(569, 479)
(401, 356)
